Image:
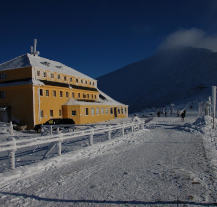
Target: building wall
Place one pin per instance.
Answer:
(82, 118)
(50, 102)
(16, 74)
(20, 101)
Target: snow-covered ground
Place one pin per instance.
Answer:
(168, 163)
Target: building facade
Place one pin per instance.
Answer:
(34, 89)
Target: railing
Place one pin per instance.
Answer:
(12, 145)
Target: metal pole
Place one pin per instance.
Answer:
(214, 103)
(11, 154)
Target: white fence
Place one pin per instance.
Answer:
(12, 145)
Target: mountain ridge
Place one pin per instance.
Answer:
(162, 78)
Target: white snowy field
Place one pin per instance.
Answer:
(169, 163)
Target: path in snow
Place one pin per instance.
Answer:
(164, 165)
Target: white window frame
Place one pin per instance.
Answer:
(102, 111)
(97, 111)
(60, 112)
(47, 93)
(61, 94)
(58, 76)
(52, 75)
(74, 113)
(106, 110)
(44, 74)
(38, 73)
(92, 111)
(122, 110)
(67, 94)
(54, 93)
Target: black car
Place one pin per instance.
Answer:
(37, 127)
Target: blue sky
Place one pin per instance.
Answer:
(96, 37)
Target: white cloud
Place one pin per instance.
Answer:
(191, 37)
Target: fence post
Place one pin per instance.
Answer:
(123, 131)
(51, 129)
(11, 129)
(11, 154)
(109, 133)
(59, 143)
(91, 138)
(132, 128)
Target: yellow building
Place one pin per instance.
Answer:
(34, 89)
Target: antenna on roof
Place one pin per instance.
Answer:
(33, 50)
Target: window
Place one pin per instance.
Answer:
(88, 96)
(54, 93)
(81, 81)
(58, 77)
(41, 92)
(2, 94)
(41, 114)
(86, 82)
(70, 79)
(76, 80)
(51, 113)
(38, 72)
(73, 95)
(102, 111)
(92, 96)
(111, 110)
(52, 75)
(3, 76)
(125, 110)
(122, 110)
(73, 113)
(84, 96)
(106, 110)
(90, 83)
(44, 74)
(64, 78)
(93, 83)
(47, 92)
(67, 94)
(60, 113)
(118, 110)
(92, 111)
(61, 94)
(95, 96)
(86, 111)
(78, 95)
(97, 111)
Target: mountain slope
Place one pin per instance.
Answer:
(168, 76)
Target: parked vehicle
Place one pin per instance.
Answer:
(37, 127)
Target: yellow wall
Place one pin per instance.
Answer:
(16, 74)
(84, 119)
(50, 102)
(20, 101)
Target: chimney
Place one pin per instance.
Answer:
(35, 43)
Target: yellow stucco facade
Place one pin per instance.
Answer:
(33, 95)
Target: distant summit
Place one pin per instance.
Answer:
(168, 76)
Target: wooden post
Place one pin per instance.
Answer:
(109, 134)
(59, 147)
(123, 131)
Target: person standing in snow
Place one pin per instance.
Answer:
(165, 113)
(177, 113)
(183, 115)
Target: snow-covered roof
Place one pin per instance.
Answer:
(106, 101)
(28, 60)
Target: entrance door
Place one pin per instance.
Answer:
(115, 111)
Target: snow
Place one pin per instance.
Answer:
(166, 77)
(168, 163)
(28, 60)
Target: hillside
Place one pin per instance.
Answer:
(168, 76)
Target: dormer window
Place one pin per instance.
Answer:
(52, 75)
(70, 79)
(64, 78)
(93, 83)
(76, 80)
(46, 63)
(86, 82)
(38, 72)
(59, 67)
(44, 74)
(90, 83)
(81, 81)
(58, 77)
